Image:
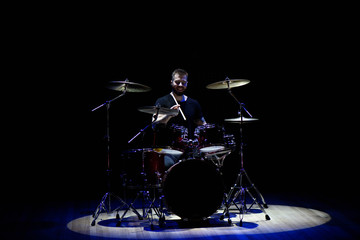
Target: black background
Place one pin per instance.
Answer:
(302, 89)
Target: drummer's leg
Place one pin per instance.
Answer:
(170, 160)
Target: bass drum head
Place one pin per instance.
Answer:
(193, 189)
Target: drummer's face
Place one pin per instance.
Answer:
(179, 83)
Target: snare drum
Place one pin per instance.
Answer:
(211, 149)
(193, 189)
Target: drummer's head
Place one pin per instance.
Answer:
(179, 81)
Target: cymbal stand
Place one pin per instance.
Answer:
(144, 193)
(231, 197)
(143, 130)
(105, 203)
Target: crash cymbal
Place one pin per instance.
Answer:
(130, 86)
(160, 110)
(228, 83)
(238, 120)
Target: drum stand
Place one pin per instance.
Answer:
(144, 193)
(231, 197)
(148, 206)
(148, 203)
(105, 203)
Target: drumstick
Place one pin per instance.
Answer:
(182, 114)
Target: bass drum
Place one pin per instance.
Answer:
(193, 189)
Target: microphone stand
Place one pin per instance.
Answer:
(105, 203)
(241, 190)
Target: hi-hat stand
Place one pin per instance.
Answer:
(105, 203)
(238, 190)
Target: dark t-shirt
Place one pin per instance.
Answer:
(191, 109)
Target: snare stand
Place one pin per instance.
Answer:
(241, 190)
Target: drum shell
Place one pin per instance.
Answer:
(154, 167)
(210, 134)
(179, 136)
(193, 189)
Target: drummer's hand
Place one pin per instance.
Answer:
(163, 118)
(175, 107)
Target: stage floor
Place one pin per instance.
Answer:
(283, 219)
(292, 217)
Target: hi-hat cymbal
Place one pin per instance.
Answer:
(228, 83)
(130, 86)
(160, 110)
(238, 120)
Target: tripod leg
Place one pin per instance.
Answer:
(100, 207)
(228, 200)
(242, 206)
(252, 185)
(267, 217)
(225, 205)
(131, 206)
(161, 211)
(151, 209)
(237, 182)
(261, 196)
(105, 205)
(120, 200)
(240, 193)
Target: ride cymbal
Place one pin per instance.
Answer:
(129, 86)
(228, 83)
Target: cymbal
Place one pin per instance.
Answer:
(130, 86)
(238, 120)
(228, 83)
(160, 110)
(162, 150)
(168, 151)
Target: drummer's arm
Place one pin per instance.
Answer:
(200, 122)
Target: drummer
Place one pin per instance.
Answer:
(190, 113)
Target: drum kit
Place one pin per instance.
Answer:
(193, 187)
